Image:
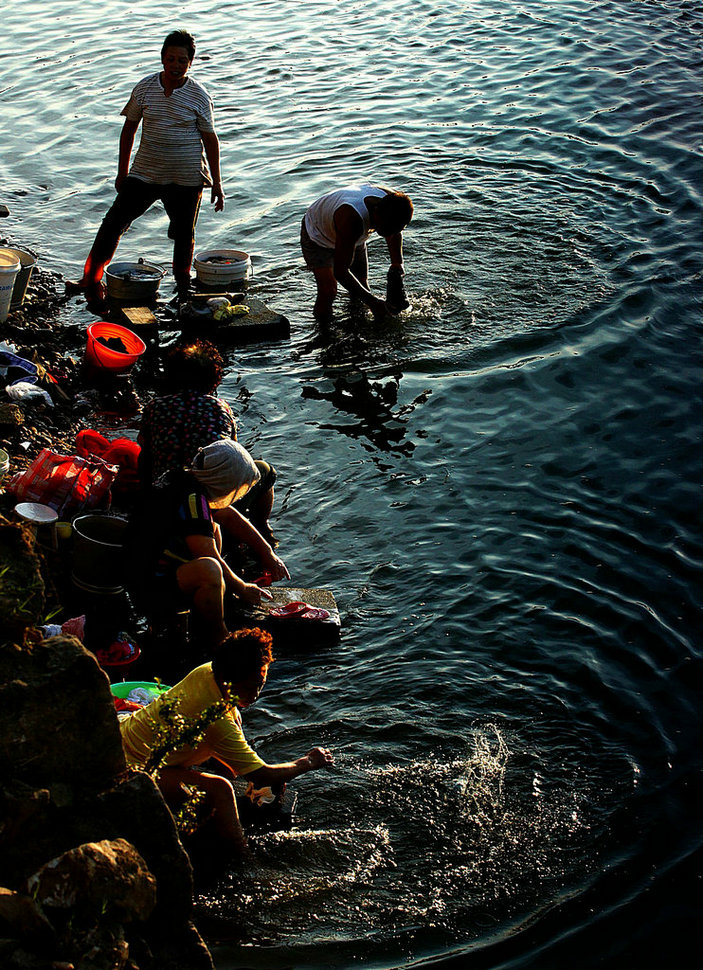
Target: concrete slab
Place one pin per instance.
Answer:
(296, 631)
(261, 323)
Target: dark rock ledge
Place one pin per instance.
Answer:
(92, 873)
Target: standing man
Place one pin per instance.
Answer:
(333, 240)
(179, 154)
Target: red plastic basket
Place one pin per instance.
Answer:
(107, 357)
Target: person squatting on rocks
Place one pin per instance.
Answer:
(232, 680)
(188, 417)
(173, 546)
(333, 238)
(178, 137)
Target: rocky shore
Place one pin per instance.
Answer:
(93, 875)
(39, 334)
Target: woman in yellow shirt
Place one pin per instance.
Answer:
(206, 706)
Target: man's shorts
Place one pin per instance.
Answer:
(316, 257)
(319, 257)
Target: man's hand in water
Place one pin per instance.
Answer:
(379, 309)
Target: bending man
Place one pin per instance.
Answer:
(333, 240)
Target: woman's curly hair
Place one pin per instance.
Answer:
(195, 365)
(241, 654)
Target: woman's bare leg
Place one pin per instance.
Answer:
(220, 798)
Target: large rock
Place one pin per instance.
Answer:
(135, 809)
(42, 824)
(96, 880)
(57, 718)
(75, 907)
(22, 919)
(29, 832)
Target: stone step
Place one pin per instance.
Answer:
(296, 631)
(261, 323)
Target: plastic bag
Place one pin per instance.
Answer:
(66, 483)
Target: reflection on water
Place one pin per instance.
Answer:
(374, 403)
(501, 486)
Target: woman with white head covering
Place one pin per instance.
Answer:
(225, 470)
(174, 544)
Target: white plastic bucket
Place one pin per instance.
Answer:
(9, 268)
(27, 264)
(222, 268)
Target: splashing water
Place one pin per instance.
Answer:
(442, 845)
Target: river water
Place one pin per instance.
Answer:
(502, 487)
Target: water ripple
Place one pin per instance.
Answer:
(502, 486)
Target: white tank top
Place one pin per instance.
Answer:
(319, 219)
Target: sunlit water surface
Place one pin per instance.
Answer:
(502, 487)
